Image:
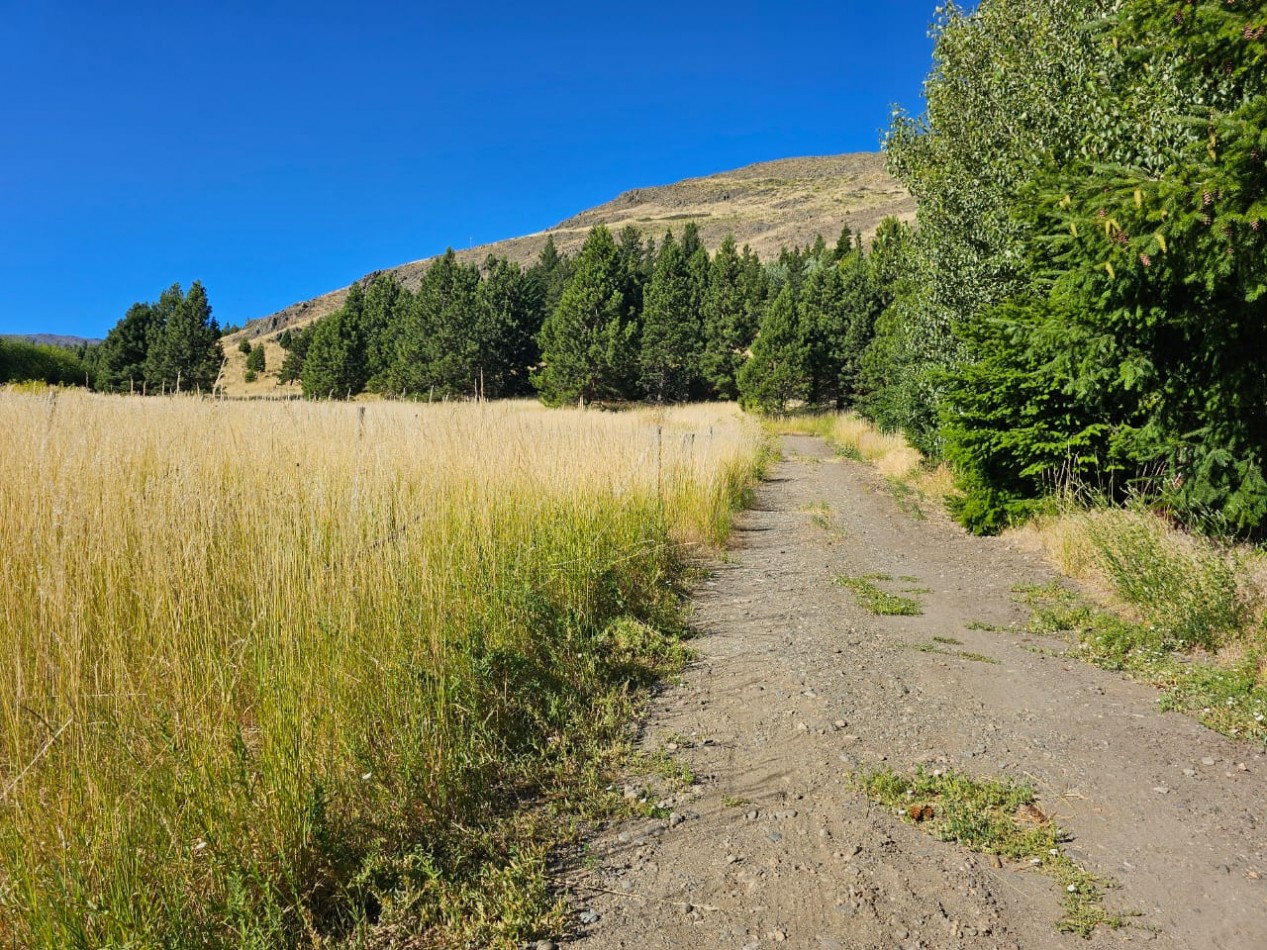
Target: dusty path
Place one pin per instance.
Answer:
(796, 687)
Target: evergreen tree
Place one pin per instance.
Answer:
(587, 343)
(551, 273)
(295, 343)
(727, 327)
(386, 304)
(334, 366)
(844, 244)
(637, 269)
(861, 305)
(184, 352)
(508, 305)
(823, 327)
(255, 358)
(668, 359)
(777, 372)
(124, 350)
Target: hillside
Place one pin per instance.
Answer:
(767, 206)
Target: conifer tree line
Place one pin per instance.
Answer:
(171, 345)
(1083, 304)
(628, 318)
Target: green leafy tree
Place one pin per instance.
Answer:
(588, 344)
(1015, 87)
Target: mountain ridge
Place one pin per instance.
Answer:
(767, 205)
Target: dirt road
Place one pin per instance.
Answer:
(796, 688)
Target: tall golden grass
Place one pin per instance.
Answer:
(269, 666)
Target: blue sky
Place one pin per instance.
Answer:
(278, 150)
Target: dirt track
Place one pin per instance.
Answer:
(796, 687)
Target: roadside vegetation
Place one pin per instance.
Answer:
(310, 674)
(996, 817)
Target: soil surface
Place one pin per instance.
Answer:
(796, 688)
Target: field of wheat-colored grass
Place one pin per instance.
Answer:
(276, 673)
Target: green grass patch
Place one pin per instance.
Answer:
(1230, 698)
(949, 640)
(992, 816)
(877, 601)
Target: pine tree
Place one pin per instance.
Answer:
(255, 358)
(124, 350)
(669, 356)
(386, 303)
(295, 343)
(861, 305)
(823, 325)
(725, 313)
(184, 352)
(551, 273)
(334, 367)
(777, 373)
(844, 244)
(509, 316)
(587, 343)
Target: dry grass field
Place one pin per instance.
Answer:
(283, 674)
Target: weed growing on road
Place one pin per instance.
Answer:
(999, 817)
(877, 601)
(820, 515)
(962, 654)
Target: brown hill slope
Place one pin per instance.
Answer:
(767, 206)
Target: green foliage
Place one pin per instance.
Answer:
(1228, 698)
(334, 366)
(669, 357)
(29, 362)
(244, 346)
(777, 373)
(255, 358)
(184, 343)
(588, 342)
(871, 598)
(295, 343)
(732, 309)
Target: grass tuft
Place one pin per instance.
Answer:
(999, 817)
(877, 601)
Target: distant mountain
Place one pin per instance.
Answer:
(767, 206)
(50, 339)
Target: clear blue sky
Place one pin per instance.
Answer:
(278, 150)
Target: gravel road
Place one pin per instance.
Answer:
(796, 688)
